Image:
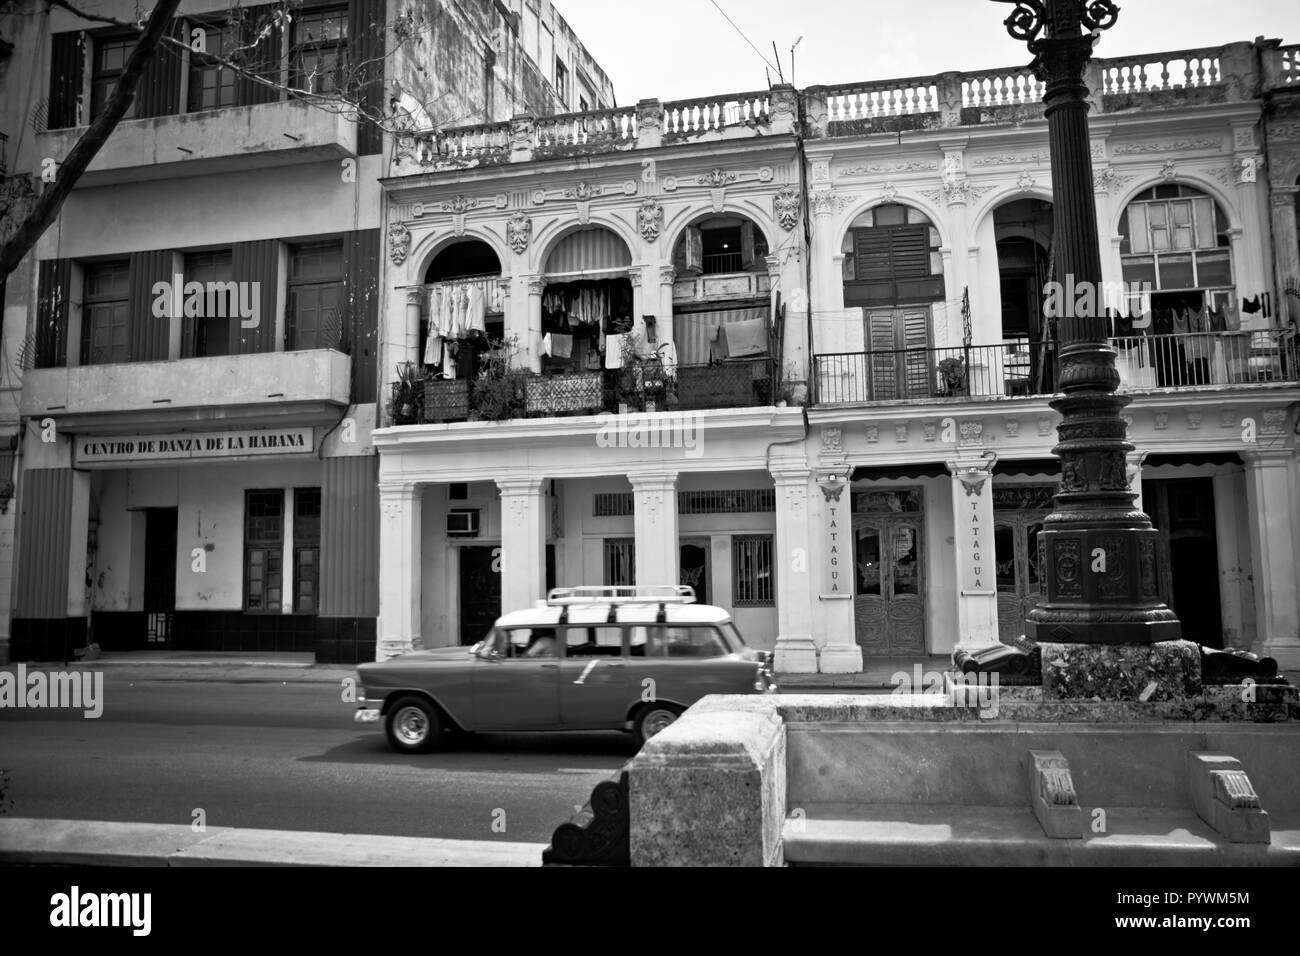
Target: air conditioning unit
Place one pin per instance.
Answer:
(462, 523)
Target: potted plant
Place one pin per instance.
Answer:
(952, 373)
(407, 397)
(499, 388)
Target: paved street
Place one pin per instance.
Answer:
(287, 756)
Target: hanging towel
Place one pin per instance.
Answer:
(546, 344)
(561, 346)
(1182, 321)
(1231, 317)
(614, 350)
(668, 358)
(641, 338)
(742, 339)
(433, 350)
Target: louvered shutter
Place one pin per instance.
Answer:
(914, 327)
(910, 250)
(67, 69)
(883, 360)
(746, 244)
(694, 250)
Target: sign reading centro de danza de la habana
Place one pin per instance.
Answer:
(137, 449)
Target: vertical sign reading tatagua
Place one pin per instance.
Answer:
(835, 581)
(975, 540)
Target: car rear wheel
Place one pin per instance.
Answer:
(653, 719)
(413, 726)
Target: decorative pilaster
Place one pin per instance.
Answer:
(1272, 506)
(658, 560)
(411, 341)
(664, 325)
(524, 512)
(796, 651)
(1285, 249)
(530, 338)
(398, 626)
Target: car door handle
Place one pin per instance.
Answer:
(550, 665)
(613, 663)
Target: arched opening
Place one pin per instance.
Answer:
(893, 271)
(463, 317)
(1023, 232)
(717, 245)
(587, 322)
(1177, 263)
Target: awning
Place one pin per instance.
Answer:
(1047, 467)
(586, 252)
(1194, 458)
(693, 331)
(921, 469)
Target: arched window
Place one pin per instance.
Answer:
(721, 244)
(1174, 237)
(891, 257)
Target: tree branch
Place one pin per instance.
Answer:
(46, 209)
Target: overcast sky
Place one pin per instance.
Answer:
(677, 49)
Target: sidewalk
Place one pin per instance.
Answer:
(209, 666)
(30, 841)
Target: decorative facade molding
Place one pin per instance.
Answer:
(519, 231)
(1170, 146)
(822, 201)
(399, 243)
(1011, 159)
(717, 178)
(1026, 182)
(876, 169)
(650, 219)
(832, 441)
(785, 205)
(667, 275)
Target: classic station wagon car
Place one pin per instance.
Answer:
(589, 658)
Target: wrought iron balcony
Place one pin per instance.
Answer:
(740, 383)
(1199, 359)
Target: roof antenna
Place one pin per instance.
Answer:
(779, 72)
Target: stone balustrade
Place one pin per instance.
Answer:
(1235, 71)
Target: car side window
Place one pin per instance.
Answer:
(666, 640)
(531, 643)
(602, 641)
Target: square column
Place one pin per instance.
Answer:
(840, 652)
(1273, 508)
(658, 560)
(796, 651)
(398, 626)
(664, 321)
(977, 581)
(523, 542)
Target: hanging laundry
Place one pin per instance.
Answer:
(1250, 306)
(1267, 305)
(1231, 316)
(640, 338)
(561, 346)
(450, 354)
(1162, 322)
(475, 310)
(1182, 321)
(1122, 325)
(1219, 320)
(447, 313)
(668, 358)
(462, 310)
(742, 339)
(546, 344)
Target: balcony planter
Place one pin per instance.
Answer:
(446, 399)
(721, 386)
(407, 396)
(579, 394)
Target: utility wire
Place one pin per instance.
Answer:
(745, 38)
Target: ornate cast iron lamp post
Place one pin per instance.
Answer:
(1098, 548)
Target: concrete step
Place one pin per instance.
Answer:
(838, 834)
(109, 843)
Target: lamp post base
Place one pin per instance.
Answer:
(1167, 670)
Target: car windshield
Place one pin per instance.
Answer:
(732, 636)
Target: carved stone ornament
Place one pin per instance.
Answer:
(667, 275)
(873, 433)
(889, 193)
(1012, 426)
(832, 440)
(1169, 171)
(1162, 420)
(1194, 420)
(519, 230)
(1025, 182)
(931, 430)
(583, 192)
(1044, 426)
(399, 243)
(971, 432)
(900, 432)
(650, 219)
(1274, 419)
(786, 206)
(717, 178)
(459, 205)
(823, 202)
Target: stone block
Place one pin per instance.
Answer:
(1225, 798)
(1052, 796)
(1166, 670)
(710, 789)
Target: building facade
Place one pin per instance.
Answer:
(201, 357)
(839, 295)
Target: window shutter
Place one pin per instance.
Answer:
(911, 252)
(360, 311)
(148, 336)
(263, 58)
(746, 244)
(159, 91)
(67, 70)
(880, 330)
(873, 258)
(54, 277)
(916, 330)
(256, 262)
(694, 250)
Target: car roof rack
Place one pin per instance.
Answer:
(621, 594)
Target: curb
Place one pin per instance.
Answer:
(30, 841)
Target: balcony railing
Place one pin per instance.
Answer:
(741, 383)
(1026, 368)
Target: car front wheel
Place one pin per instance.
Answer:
(653, 719)
(413, 726)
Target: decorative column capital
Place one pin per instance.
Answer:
(793, 476)
(536, 284)
(634, 276)
(415, 297)
(667, 275)
(400, 490)
(520, 486)
(657, 481)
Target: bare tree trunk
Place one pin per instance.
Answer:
(46, 208)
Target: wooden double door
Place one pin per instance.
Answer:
(889, 597)
(898, 356)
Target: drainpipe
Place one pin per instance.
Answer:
(807, 243)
